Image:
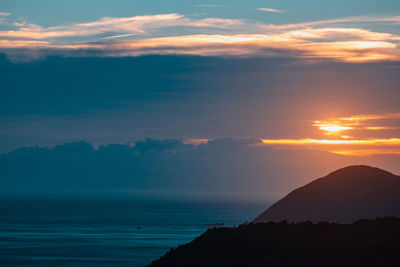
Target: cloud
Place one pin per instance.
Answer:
(349, 45)
(227, 165)
(137, 25)
(356, 19)
(299, 40)
(273, 10)
(341, 146)
(391, 141)
(119, 36)
(196, 141)
(2, 16)
(367, 117)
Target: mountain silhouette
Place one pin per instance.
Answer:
(343, 196)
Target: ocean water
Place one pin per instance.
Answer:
(106, 232)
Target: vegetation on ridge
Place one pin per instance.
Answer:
(362, 243)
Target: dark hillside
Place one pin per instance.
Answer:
(363, 243)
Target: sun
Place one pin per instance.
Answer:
(334, 128)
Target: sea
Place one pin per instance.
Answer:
(56, 231)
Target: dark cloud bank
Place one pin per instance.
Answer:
(221, 169)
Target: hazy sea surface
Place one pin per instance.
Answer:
(105, 232)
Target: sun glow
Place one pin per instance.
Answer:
(350, 143)
(334, 128)
(359, 122)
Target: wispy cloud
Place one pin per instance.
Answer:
(357, 19)
(119, 36)
(337, 43)
(345, 147)
(3, 15)
(115, 26)
(273, 10)
(368, 117)
(390, 141)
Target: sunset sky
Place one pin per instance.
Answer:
(291, 75)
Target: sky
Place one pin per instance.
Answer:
(205, 85)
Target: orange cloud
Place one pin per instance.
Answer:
(195, 141)
(237, 45)
(340, 146)
(366, 117)
(390, 141)
(273, 10)
(358, 19)
(336, 43)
